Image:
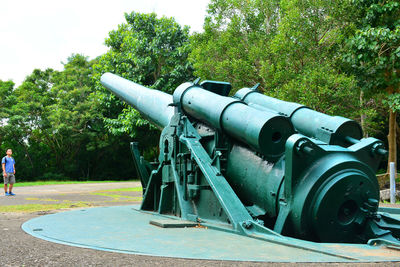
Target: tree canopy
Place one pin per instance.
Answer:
(374, 55)
(147, 50)
(291, 48)
(54, 123)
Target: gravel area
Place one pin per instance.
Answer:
(20, 249)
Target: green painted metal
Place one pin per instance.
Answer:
(265, 131)
(126, 229)
(262, 167)
(331, 130)
(152, 104)
(141, 165)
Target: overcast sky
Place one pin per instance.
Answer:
(42, 33)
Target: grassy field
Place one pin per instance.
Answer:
(43, 207)
(54, 203)
(66, 182)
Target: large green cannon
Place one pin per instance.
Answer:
(259, 166)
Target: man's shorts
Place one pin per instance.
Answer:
(9, 178)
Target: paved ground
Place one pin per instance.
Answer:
(98, 194)
(20, 249)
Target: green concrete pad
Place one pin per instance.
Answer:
(127, 230)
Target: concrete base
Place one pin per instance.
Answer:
(127, 230)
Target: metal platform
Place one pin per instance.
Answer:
(125, 229)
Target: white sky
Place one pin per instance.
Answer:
(42, 33)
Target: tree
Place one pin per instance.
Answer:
(6, 97)
(303, 66)
(80, 141)
(290, 47)
(54, 123)
(150, 51)
(374, 55)
(235, 41)
(27, 120)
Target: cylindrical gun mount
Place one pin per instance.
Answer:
(264, 131)
(153, 104)
(333, 130)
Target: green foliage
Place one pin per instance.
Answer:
(374, 49)
(393, 102)
(150, 51)
(55, 126)
(322, 89)
(233, 46)
(373, 54)
(291, 47)
(6, 98)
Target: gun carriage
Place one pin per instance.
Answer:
(259, 166)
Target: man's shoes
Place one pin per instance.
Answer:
(11, 194)
(7, 194)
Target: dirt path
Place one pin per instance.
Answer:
(20, 249)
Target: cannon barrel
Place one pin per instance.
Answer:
(152, 104)
(334, 130)
(264, 131)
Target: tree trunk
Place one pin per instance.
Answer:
(362, 116)
(29, 157)
(397, 133)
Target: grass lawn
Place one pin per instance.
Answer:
(42, 207)
(65, 182)
(55, 203)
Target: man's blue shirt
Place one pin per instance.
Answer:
(9, 161)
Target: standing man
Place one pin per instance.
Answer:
(8, 164)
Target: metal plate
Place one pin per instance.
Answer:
(170, 223)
